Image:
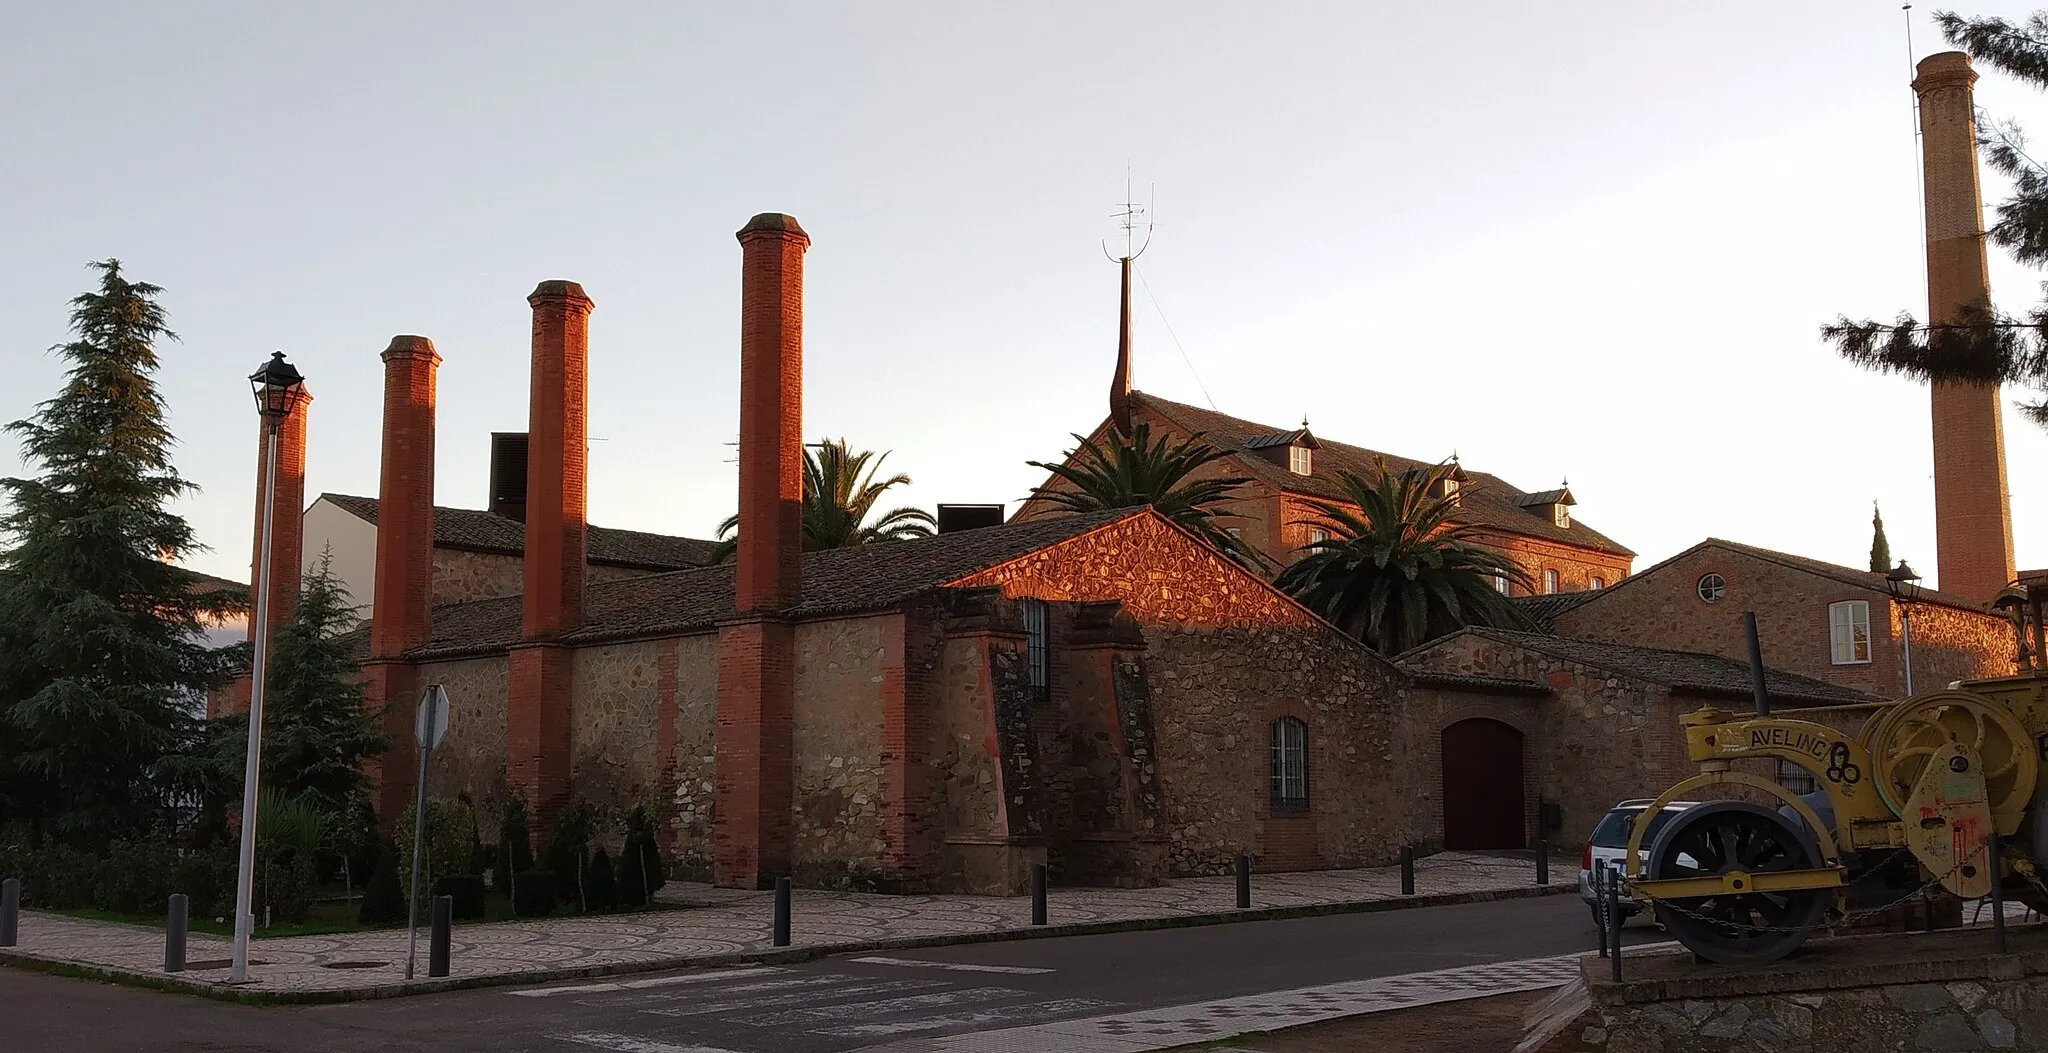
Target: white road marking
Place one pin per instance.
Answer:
(973, 1018)
(836, 989)
(629, 1044)
(880, 1007)
(659, 981)
(955, 966)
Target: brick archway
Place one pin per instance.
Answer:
(1483, 767)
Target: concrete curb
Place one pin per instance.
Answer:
(781, 956)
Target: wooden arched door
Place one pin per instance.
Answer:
(1482, 764)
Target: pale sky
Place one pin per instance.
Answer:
(1584, 240)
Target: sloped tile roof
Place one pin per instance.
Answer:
(1684, 670)
(479, 531)
(1543, 610)
(835, 581)
(1819, 568)
(1487, 501)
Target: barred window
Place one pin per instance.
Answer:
(1038, 656)
(1290, 765)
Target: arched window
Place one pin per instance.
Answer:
(1290, 765)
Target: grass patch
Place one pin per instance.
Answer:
(335, 916)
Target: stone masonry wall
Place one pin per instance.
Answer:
(838, 750)
(461, 576)
(688, 735)
(1225, 656)
(1921, 1018)
(471, 759)
(615, 762)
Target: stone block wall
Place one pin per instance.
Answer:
(615, 760)
(837, 750)
(1920, 1018)
(461, 576)
(471, 759)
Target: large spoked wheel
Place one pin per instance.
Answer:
(1908, 734)
(1708, 840)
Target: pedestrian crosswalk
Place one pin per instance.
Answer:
(843, 1006)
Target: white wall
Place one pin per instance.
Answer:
(354, 547)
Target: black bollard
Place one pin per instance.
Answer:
(10, 911)
(1407, 870)
(1038, 893)
(1244, 881)
(174, 932)
(782, 912)
(437, 944)
(1614, 921)
(1542, 862)
(1599, 879)
(1997, 894)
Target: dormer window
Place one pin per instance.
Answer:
(1554, 505)
(1293, 449)
(1449, 486)
(1561, 516)
(1300, 460)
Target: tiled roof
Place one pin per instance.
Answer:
(1546, 497)
(1283, 438)
(1846, 575)
(1543, 610)
(199, 579)
(835, 581)
(1509, 684)
(478, 531)
(1487, 501)
(1685, 670)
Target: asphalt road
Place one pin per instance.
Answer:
(832, 1005)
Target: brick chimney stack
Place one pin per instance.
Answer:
(541, 698)
(287, 555)
(404, 579)
(1972, 510)
(754, 837)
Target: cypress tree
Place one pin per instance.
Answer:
(102, 665)
(1880, 549)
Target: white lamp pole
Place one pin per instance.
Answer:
(278, 387)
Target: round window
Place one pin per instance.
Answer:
(1712, 588)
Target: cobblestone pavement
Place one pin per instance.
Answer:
(724, 925)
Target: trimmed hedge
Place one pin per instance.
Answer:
(128, 877)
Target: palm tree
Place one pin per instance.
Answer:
(1133, 472)
(840, 492)
(1396, 573)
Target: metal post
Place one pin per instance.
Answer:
(782, 912)
(10, 911)
(1038, 893)
(1407, 870)
(1543, 861)
(252, 767)
(1756, 665)
(419, 844)
(1614, 922)
(174, 933)
(1244, 881)
(1906, 622)
(437, 944)
(1599, 879)
(1997, 894)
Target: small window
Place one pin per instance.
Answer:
(1037, 654)
(1500, 584)
(1596, 582)
(1299, 460)
(1793, 777)
(1290, 765)
(1712, 588)
(1849, 631)
(1549, 582)
(1317, 535)
(1561, 515)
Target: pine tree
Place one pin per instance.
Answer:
(316, 732)
(102, 666)
(1986, 346)
(1880, 549)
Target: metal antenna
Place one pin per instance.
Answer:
(1129, 218)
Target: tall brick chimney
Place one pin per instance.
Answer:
(288, 507)
(1972, 511)
(404, 577)
(1120, 383)
(538, 706)
(757, 648)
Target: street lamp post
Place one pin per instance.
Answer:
(1904, 586)
(278, 388)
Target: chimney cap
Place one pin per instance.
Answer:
(558, 289)
(1945, 69)
(404, 346)
(773, 223)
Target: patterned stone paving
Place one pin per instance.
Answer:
(725, 924)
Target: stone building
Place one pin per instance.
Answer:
(1818, 619)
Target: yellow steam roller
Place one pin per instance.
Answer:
(1908, 806)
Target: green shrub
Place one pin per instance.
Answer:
(641, 858)
(567, 845)
(515, 845)
(468, 892)
(600, 888)
(451, 837)
(288, 886)
(533, 893)
(384, 898)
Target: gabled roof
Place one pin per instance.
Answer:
(478, 531)
(1680, 670)
(1846, 575)
(1297, 437)
(1486, 501)
(835, 581)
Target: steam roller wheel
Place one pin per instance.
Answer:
(1749, 928)
(1911, 732)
